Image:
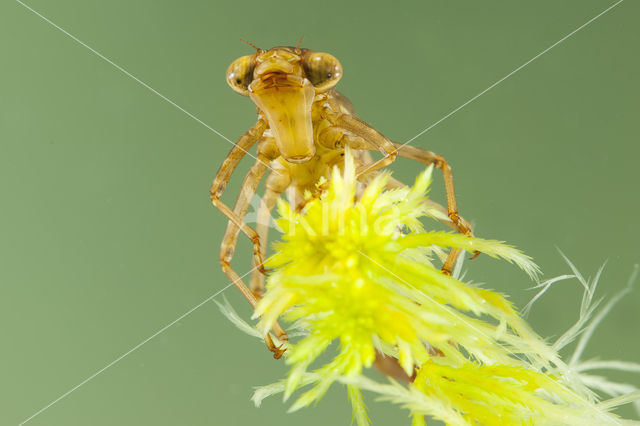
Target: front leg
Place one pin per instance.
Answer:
(427, 157)
(394, 183)
(350, 131)
(452, 258)
(345, 127)
(236, 154)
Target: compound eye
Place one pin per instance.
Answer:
(322, 70)
(240, 74)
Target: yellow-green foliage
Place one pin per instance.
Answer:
(357, 269)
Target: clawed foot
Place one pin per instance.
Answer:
(264, 271)
(320, 188)
(463, 226)
(260, 265)
(278, 351)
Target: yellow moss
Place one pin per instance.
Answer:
(359, 271)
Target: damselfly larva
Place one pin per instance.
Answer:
(303, 127)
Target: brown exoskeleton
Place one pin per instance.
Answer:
(303, 127)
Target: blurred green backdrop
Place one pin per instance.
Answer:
(106, 229)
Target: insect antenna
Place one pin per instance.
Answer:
(300, 42)
(251, 44)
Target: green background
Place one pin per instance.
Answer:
(107, 234)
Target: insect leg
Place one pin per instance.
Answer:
(351, 131)
(277, 182)
(394, 183)
(236, 154)
(427, 157)
(230, 239)
(453, 253)
(235, 217)
(366, 135)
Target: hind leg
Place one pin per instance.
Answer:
(276, 184)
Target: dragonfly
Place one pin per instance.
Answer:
(304, 126)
